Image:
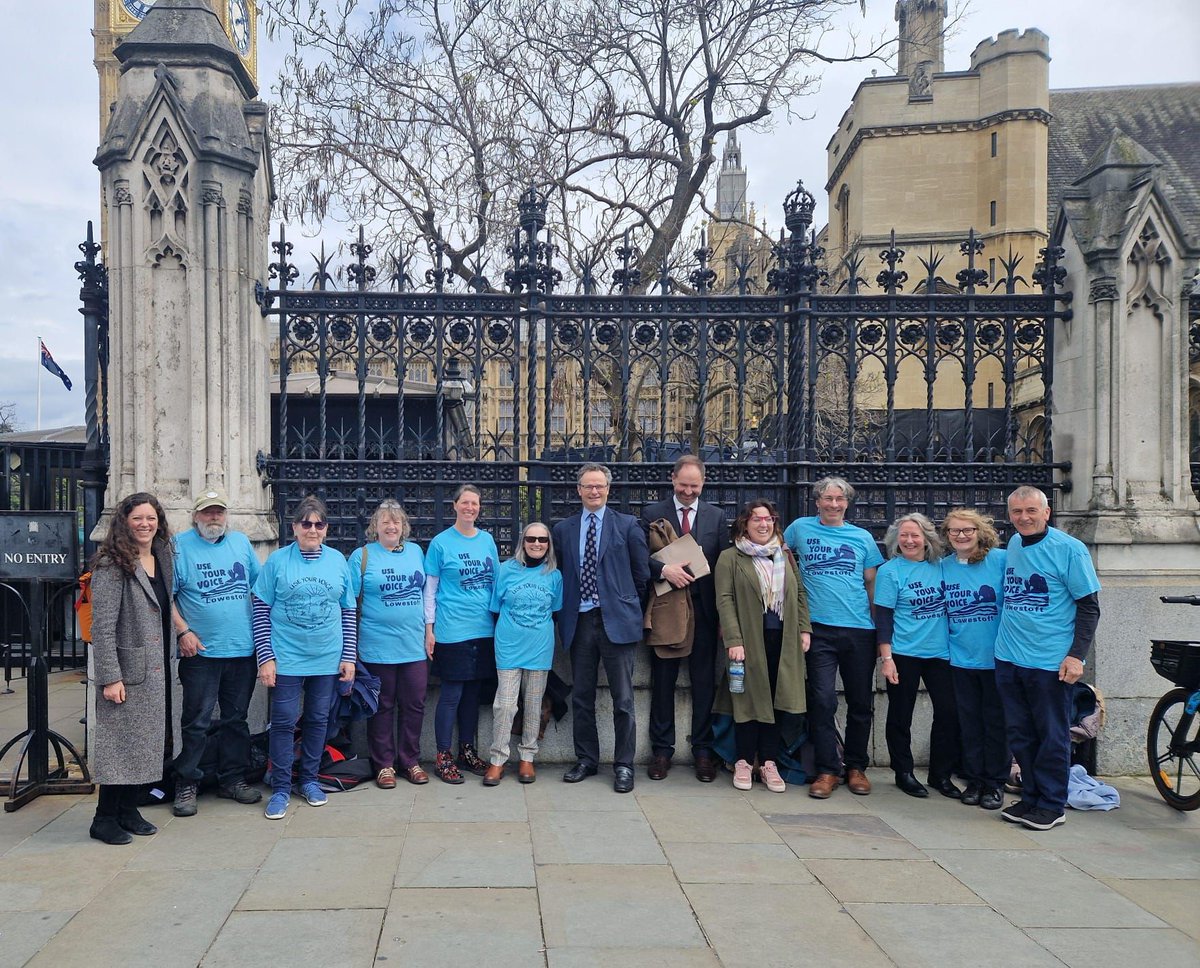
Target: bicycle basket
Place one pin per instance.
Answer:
(1177, 661)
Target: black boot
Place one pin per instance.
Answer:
(135, 823)
(108, 831)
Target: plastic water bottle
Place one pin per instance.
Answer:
(737, 676)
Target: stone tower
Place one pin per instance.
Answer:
(731, 182)
(186, 181)
(922, 29)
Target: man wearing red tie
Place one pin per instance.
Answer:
(707, 525)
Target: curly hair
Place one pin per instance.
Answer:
(933, 544)
(742, 521)
(985, 532)
(119, 546)
(389, 510)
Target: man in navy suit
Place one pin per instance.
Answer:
(707, 525)
(604, 562)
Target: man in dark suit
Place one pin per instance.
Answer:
(604, 561)
(707, 525)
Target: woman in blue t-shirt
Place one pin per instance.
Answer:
(973, 576)
(305, 640)
(460, 571)
(529, 590)
(388, 574)
(914, 645)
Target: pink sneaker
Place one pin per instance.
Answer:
(769, 774)
(742, 778)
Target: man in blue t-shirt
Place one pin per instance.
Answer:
(215, 568)
(837, 563)
(1047, 626)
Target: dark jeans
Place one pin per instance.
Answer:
(590, 648)
(754, 739)
(1037, 712)
(285, 710)
(402, 688)
(664, 674)
(207, 683)
(457, 701)
(985, 758)
(902, 700)
(852, 652)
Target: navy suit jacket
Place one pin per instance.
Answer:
(622, 575)
(710, 531)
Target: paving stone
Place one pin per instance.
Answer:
(362, 819)
(1118, 947)
(937, 935)
(244, 938)
(466, 855)
(703, 863)
(312, 873)
(849, 835)
(942, 823)
(1039, 889)
(437, 928)
(160, 918)
(1174, 901)
(780, 926)
(682, 782)
(1114, 850)
(22, 933)
(470, 802)
(593, 906)
(590, 796)
(796, 800)
(604, 837)
(211, 843)
(708, 820)
(63, 878)
(1141, 806)
(631, 958)
(911, 881)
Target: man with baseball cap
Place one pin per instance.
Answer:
(215, 569)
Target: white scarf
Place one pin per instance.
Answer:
(768, 564)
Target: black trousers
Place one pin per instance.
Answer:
(116, 800)
(754, 739)
(851, 652)
(590, 648)
(985, 758)
(902, 700)
(664, 674)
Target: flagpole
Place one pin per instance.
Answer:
(39, 388)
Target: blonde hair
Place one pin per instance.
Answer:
(933, 544)
(549, 563)
(985, 532)
(393, 511)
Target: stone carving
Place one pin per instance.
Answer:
(166, 164)
(1103, 289)
(244, 205)
(122, 195)
(212, 195)
(1151, 268)
(921, 84)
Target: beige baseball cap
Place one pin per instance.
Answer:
(214, 497)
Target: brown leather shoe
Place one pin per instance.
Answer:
(526, 773)
(492, 775)
(858, 783)
(706, 768)
(386, 779)
(823, 786)
(659, 767)
(414, 774)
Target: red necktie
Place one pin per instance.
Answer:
(687, 526)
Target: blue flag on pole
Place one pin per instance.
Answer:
(49, 364)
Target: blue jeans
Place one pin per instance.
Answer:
(207, 683)
(1037, 711)
(285, 710)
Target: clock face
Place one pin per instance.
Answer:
(137, 8)
(239, 26)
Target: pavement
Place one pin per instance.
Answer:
(677, 874)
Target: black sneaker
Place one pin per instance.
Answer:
(972, 794)
(185, 800)
(1042, 819)
(1016, 810)
(992, 799)
(241, 791)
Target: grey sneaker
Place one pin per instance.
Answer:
(241, 791)
(185, 800)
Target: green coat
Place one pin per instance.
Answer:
(739, 604)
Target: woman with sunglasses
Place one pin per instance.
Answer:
(388, 574)
(305, 640)
(460, 571)
(765, 624)
(974, 580)
(529, 590)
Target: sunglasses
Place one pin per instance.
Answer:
(536, 539)
(309, 525)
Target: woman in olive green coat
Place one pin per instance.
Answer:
(765, 624)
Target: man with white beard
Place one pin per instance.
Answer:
(215, 569)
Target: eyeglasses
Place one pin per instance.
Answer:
(309, 525)
(593, 487)
(537, 539)
(763, 518)
(964, 532)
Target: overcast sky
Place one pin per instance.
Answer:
(49, 188)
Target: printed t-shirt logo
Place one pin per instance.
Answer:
(1030, 594)
(967, 604)
(308, 604)
(396, 589)
(476, 573)
(829, 559)
(219, 584)
(529, 604)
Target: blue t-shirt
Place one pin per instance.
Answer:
(212, 591)
(1041, 585)
(306, 599)
(526, 600)
(392, 629)
(974, 597)
(466, 571)
(832, 562)
(913, 590)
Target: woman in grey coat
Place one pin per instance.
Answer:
(133, 651)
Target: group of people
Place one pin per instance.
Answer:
(995, 640)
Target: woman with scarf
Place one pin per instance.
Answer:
(765, 624)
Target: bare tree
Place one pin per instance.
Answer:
(8, 417)
(434, 118)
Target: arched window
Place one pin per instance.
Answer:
(843, 204)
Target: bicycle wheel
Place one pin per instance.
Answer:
(1174, 762)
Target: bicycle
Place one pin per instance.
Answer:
(1173, 734)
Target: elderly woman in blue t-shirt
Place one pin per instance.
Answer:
(305, 640)
(914, 645)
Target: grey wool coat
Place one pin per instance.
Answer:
(128, 739)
